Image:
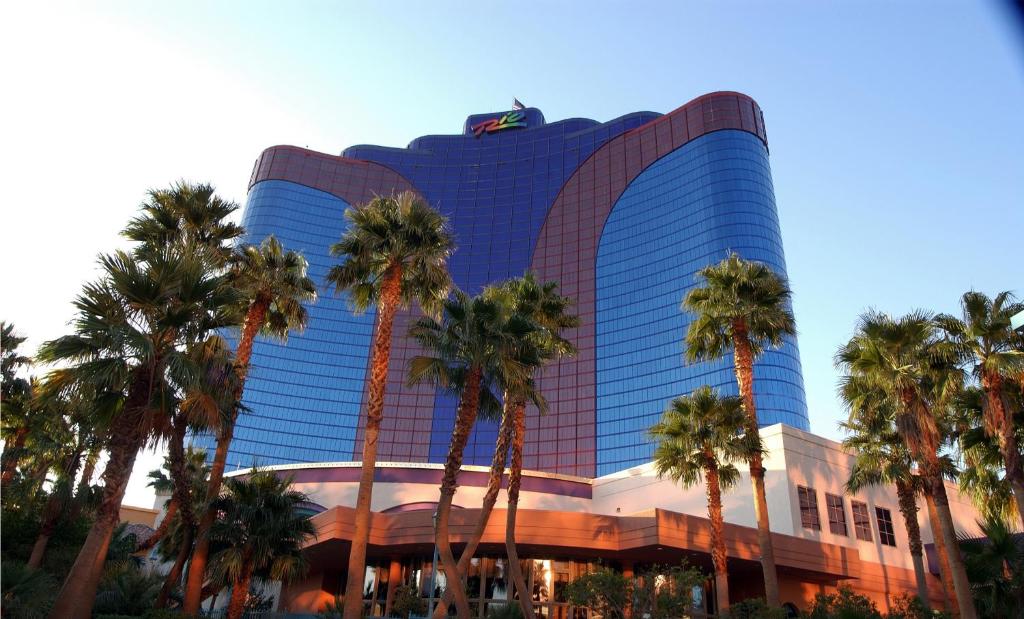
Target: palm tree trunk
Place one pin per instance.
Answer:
(254, 320)
(53, 510)
(940, 549)
(174, 575)
(465, 418)
(515, 478)
(51, 516)
(744, 365)
(389, 299)
(961, 586)
(11, 456)
(78, 592)
(908, 507)
(490, 498)
(719, 557)
(154, 539)
(239, 595)
(999, 425)
(83, 486)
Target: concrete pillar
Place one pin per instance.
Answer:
(394, 579)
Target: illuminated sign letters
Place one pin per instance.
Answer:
(507, 121)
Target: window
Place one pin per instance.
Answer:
(808, 508)
(836, 514)
(885, 532)
(861, 521)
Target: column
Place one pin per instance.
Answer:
(394, 579)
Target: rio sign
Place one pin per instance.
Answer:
(507, 121)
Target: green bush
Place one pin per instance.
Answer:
(843, 604)
(27, 593)
(505, 611)
(127, 590)
(407, 601)
(908, 606)
(754, 608)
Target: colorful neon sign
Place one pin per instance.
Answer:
(507, 121)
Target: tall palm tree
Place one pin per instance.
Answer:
(699, 436)
(881, 457)
(743, 306)
(907, 359)
(394, 252)
(272, 285)
(983, 476)
(127, 348)
(126, 340)
(987, 340)
(477, 343)
(549, 312)
(261, 532)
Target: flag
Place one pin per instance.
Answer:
(516, 105)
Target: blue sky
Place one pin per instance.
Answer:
(896, 129)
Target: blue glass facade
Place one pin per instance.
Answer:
(678, 191)
(496, 191)
(685, 211)
(303, 396)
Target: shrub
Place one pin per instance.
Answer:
(754, 608)
(910, 607)
(407, 602)
(510, 610)
(843, 604)
(127, 590)
(27, 593)
(333, 609)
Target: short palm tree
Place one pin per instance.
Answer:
(394, 252)
(906, 359)
(72, 434)
(987, 341)
(15, 395)
(699, 437)
(995, 564)
(262, 534)
(272, 285)
(743, 306)
(477, 343)
(881, 457)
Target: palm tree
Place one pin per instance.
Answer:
(70, 430)
(698, 437)
(192, 475)
(161, 484)
(995, 563)
(982, 476)
(906, 359)
(15, 402)
(542, 305)
(126, 348)
(272, 285)
(477, 344)
(881, 457)
(987, 340)
(394, 252)
(743, 306)
(262, 533)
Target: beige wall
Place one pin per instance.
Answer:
(794, 458)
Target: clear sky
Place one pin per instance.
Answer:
(896, 129)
